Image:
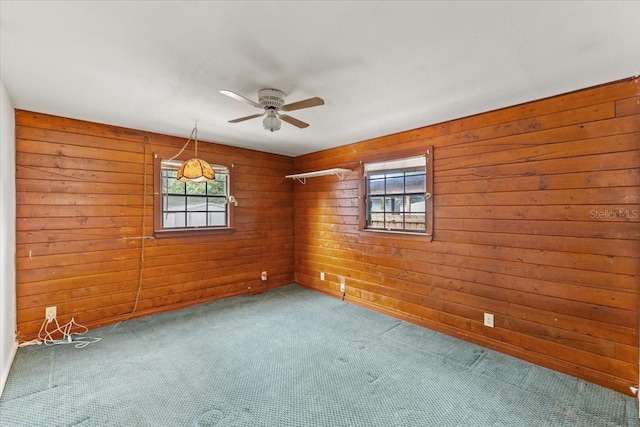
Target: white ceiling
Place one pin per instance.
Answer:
(381, 66)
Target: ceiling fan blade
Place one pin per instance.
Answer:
(311, 102)
(240, 98)
(293, 121)
(242, 119)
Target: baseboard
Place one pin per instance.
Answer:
(4, 375)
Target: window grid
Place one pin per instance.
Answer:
(187, 205)
(401, 210)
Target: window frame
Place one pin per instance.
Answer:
(427, 234)
(160, 232)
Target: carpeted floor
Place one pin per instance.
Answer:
(292, 357)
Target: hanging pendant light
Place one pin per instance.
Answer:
(195, 169)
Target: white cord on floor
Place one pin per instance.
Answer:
(67, 335)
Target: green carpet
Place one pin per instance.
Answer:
(292, 357)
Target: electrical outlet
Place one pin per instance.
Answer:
(264, 276)
(322, 275)
(488, 320)
(343, 286)
(50, 313)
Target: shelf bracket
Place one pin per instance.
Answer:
(339, 174)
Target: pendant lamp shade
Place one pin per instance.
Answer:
(195, 169)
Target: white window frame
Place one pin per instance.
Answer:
(401, 164)
(161, 200)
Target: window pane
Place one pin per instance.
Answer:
(174, 186)
(197, 219)
(376, 204)
(393, 204)
(415, 183)
(415, 222)
(197, 204)
(376, 220)
(217, 219)
(196, 188)
(395, 185)
(173, 220)
(416, 204)
(217, 187)
(216, 204)
(176, 203)
(376, 186)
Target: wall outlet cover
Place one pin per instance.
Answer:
(488, 320)
(50, 313)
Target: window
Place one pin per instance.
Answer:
(189, 206)
(398, 195)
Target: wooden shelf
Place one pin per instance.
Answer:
(302, 177)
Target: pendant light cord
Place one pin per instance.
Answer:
(194, 136)
(143, 236)
(144, 225)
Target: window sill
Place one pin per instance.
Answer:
(192, 232)
(389, 234)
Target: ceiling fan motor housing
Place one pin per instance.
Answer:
(271, 98)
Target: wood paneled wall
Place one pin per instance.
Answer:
(536, 220)
(80, 205)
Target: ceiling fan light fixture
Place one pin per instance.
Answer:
(271, 122)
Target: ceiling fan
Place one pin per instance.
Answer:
(272, 102)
